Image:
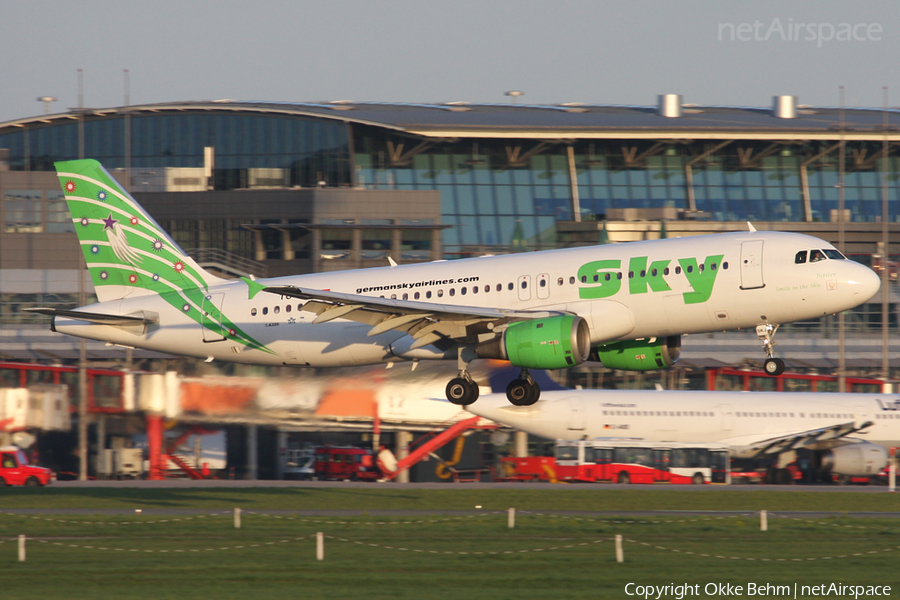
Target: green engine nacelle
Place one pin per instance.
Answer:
(639, 355)
(551, 343)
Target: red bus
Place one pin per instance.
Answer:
(640, 461)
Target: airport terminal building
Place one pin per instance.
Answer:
(279, 188)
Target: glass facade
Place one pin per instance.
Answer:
(493, 200)
(23, 209)
(222, 234)
(306, 151)
(497, 194)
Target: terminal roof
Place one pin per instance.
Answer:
(544, 121)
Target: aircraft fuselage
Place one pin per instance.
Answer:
(625, 291)
(735, 418)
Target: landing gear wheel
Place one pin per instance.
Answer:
(535, 393)
(774, 367)
(462, 391)
(522, 392)
(517, 392)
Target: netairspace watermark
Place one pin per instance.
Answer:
(720, 590)
(790, 31)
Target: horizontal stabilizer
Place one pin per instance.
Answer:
(98, 318)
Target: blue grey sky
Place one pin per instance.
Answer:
(590, 51)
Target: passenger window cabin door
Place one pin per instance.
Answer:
(210, 315)
(542, 286)
(727, 417)
(524, 286)
(751, 265)
(576, 416)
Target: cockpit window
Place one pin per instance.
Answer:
(817, 255)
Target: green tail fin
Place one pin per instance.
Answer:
(126, 251)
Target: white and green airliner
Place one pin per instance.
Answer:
(626, 305)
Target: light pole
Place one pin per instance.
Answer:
(46, 100)
(514, 94)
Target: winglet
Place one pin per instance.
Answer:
(750, 225)
(254, 287)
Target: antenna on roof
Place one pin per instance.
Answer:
(750, 225)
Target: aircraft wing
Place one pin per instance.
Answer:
(814, 439)
(426, 321)
(97, 318)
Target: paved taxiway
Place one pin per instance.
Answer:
(229, 483)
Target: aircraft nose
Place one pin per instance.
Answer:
(866, 282)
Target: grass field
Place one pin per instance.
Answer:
(439, 555)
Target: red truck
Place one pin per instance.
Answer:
(16, 470)
(347, 463)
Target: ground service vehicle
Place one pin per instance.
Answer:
(16, 470)
(347, 463)
(641, 461)
(299, 463)
(623, 461)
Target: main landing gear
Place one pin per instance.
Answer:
(773, 366)
(462, 390)
(523, 391)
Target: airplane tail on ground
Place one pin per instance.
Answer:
(127, 252)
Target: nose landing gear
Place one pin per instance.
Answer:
(773, 366)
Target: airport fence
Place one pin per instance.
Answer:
(479, 518)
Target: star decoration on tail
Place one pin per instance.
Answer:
(118, 241)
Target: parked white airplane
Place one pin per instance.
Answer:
(625, 305)
(849, 434)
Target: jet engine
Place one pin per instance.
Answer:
(639, 355)
(863, 458)
(551, 343)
